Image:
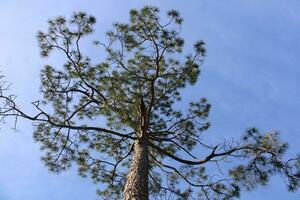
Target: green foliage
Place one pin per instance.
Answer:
(143, 64)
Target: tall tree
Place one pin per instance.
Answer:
(148, 147)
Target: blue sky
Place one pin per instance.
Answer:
(251, 76)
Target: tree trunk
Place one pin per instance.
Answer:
(136, 186)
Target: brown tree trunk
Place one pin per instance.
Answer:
(136, 186)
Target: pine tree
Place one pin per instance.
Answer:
(148, 147)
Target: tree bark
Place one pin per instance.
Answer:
(136, 186)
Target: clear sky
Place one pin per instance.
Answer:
(251, 75)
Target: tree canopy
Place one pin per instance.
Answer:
(92, 115)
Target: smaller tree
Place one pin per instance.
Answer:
(146, 147)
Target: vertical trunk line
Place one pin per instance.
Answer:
(136, 186)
